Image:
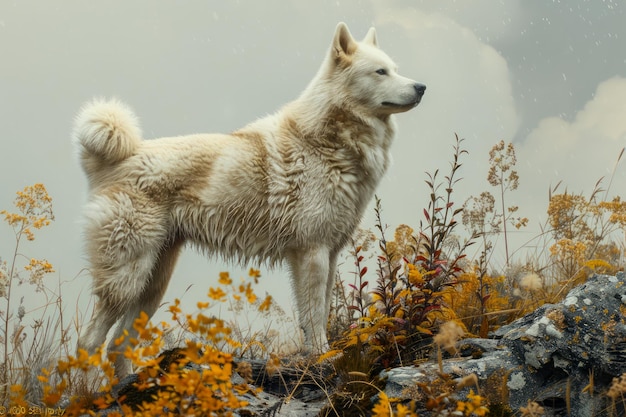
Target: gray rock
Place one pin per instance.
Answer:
(585, 331)
(490, 358)
(556, 350)
(266, 404)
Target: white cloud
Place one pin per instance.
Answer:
(574, 154)
(579, 152)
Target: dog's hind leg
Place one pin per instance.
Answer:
(147, 302)
(117, 288)
(103, 318)
(125, 237)
(119, 294)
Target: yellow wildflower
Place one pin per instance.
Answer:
(474, 406)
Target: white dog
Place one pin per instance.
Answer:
(290, 187)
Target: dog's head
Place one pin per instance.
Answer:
(365, 76)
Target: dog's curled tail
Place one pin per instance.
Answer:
(107, 132)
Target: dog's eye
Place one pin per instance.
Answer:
(381, 71)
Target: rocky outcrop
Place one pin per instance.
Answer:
(563, 356)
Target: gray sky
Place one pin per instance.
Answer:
(549, 76)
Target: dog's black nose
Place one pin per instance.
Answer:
(419, 89)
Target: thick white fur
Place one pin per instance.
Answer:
(290, 187)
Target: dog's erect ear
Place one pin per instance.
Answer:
(371, 37)
(343, 43)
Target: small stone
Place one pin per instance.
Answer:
(570, 301)
(517, 381)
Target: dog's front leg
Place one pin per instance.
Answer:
(310, 269)
(330, 282)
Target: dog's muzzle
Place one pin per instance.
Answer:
(415, 100)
